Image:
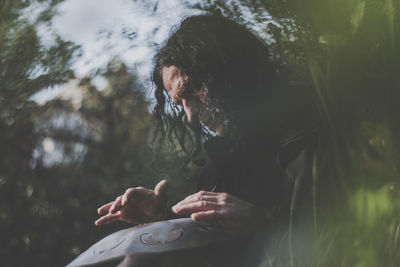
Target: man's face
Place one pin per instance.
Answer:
(198, 106)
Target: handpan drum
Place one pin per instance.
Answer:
(178, 242)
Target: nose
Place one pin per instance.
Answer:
(190, 109)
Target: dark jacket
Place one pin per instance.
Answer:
(264, 173)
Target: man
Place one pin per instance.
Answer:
(219, 75)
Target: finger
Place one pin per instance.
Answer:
(105, 208)
(194, 207)
(194, 198)
(127, 196)
(134, 193)
(117, 205)
(204, 193)
(201, 193)
(107, 219)
(160, 188)
(208, 215)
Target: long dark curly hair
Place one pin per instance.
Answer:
(226, 59)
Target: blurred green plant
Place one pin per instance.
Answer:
(348, 52)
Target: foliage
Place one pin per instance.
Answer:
(26, 67)
(348, 52)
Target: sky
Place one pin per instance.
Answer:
(126, 29)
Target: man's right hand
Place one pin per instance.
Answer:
(137, 205)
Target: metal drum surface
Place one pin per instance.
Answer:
(140, 244)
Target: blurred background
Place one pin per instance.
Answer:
(76, 127)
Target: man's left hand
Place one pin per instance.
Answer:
(229, 211)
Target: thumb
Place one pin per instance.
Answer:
(159, 190)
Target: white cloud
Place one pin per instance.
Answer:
(120, 28)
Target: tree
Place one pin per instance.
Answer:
(26, 68)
